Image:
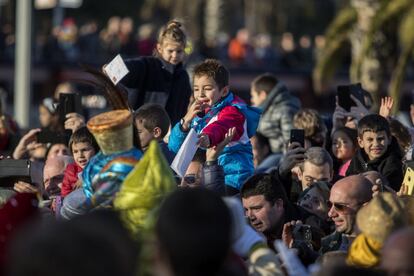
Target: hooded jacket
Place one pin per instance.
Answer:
(389, 164)
(278, 109)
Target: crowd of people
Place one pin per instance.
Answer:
(71, 42)
(271, 188)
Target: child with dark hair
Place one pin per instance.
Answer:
(215, 111)
(379, 151)
(344, 147)
(83, 146)
(152, 123)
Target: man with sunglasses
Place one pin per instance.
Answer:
(347, 196)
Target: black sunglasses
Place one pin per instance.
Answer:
(190, 178)
(339, 207)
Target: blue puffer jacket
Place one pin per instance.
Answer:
(237, 157)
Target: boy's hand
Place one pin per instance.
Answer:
(195, 108)
(204, 141)
(213, 152)
(386, 106)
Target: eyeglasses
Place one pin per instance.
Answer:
(190, 178)
(339, 207)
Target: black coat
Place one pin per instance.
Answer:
(150, 80)
(389, 165)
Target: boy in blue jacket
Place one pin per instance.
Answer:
(214, 111)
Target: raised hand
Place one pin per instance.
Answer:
(294, 155)
(213, 152)
(74, 121)
(27, 142)
(386, 106)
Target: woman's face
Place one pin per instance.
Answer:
(314, 202)
(45, 117)
(342, 146)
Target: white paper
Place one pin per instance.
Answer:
(116, 69)
(185, 154)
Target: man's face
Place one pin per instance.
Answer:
(312, 173)
(145, 136)
(192, 177)
(375, 144)
(263, 216)
(53, 174)
(342, 209)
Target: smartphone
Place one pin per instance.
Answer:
(46, 136)
(344, 93)
(297, 135)
(409, 180)
(69, 103)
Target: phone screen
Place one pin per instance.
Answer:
(297, 135)
(69, 103)
(344, 93)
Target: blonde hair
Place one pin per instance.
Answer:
(173, 31)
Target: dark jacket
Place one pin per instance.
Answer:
(213, 177)
(151, 80)
(389, 165)
(169, 155)
(279, 107)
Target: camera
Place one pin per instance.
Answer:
(12, 170)
(302, 233)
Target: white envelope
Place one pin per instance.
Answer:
(116, 70)
(185, 153)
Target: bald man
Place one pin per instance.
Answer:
(398, 253)
(347, 196)
(53, 173)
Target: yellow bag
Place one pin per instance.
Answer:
(144, 189)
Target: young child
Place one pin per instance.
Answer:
(214, 111)
(278, 106)
(83, 146)
(379, 151)
(152, 123)
(161, 79)
(344, 147)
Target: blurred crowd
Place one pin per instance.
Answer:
(71, 43)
